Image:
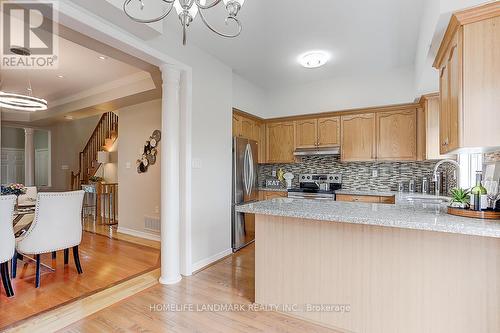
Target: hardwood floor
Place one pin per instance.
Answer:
(105, 262)
(230, 281)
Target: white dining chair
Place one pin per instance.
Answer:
(29, 198)
(57, 226)
(7, 240)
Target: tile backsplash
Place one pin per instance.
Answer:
(359, 175)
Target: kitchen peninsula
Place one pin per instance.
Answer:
(407, 267)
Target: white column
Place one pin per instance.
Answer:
(29, 157)
(170, 177)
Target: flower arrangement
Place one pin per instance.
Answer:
(95, 179)
(13, 189)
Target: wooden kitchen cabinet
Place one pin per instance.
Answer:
(468, 61)
(397, 135)
(306, 133)
(431, 105)
(252, 129)
(237, 125)
(366, 198)
(280, 142)
(318, 132)
(358, 137)
(267, 195)
(328, 131)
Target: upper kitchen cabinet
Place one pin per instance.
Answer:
(328, 131)
(306, 133)
(397, 135)
(251, 128)
(280, 141)
(236, 124)
(431, 105)
(358, 137)
(468, 61)
(318, 132)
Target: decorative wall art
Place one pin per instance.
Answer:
(149, 153)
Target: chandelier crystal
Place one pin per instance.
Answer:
(187, 11)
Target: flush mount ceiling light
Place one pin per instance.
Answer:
(187, 10)
(22, 102)
(102, 57)
(313, 59)
(18, 101)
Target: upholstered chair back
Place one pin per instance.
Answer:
(29, 197)
(57, 224)
(7, 240)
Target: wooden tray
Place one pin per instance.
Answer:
(483, 214)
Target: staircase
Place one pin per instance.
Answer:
(104, 135)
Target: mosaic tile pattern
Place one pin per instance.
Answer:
(492, 157)
(358, 175)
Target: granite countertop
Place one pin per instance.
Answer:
(407, 215)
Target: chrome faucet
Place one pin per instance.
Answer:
(436, 177)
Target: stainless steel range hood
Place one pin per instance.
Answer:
(317, 151)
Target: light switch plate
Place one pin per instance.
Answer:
(196, 163)
(128, 165)
(374, 173)
(64, 167)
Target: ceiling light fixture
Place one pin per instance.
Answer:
(18, 101)
(187, 10)
(314, 59)
(61, 76)
(22, 102)
(103, 57)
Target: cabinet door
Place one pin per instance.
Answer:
(455, 92)
(280, 142)
(432, 140)
(262, 143)
(236, 125)
(358, 137)
(329, 132)
(274, 195)
(306, 134)
(247, 127)
(444, 115)
(397, 136)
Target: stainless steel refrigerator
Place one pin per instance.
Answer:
(245, 190)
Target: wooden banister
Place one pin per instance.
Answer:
(106, 128)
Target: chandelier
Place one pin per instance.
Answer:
(22, 102)
(187, 11)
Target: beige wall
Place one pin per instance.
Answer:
(68, 140)
(139, 194)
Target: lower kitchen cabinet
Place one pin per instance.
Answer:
(366, 198)
(267, 195)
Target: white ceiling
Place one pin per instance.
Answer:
(362, 36)
(82, 70)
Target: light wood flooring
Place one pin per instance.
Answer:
(230, 281)
(106, 261)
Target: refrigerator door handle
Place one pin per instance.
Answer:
(252, 177)
(246, 171)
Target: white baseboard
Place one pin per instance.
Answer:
(140, 234)
(210, 260)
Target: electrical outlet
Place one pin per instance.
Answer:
(128, 165)
(374, 173)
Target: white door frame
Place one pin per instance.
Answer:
(81, 20)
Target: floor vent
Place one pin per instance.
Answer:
(152, 223)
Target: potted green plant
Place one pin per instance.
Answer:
(460, 198)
